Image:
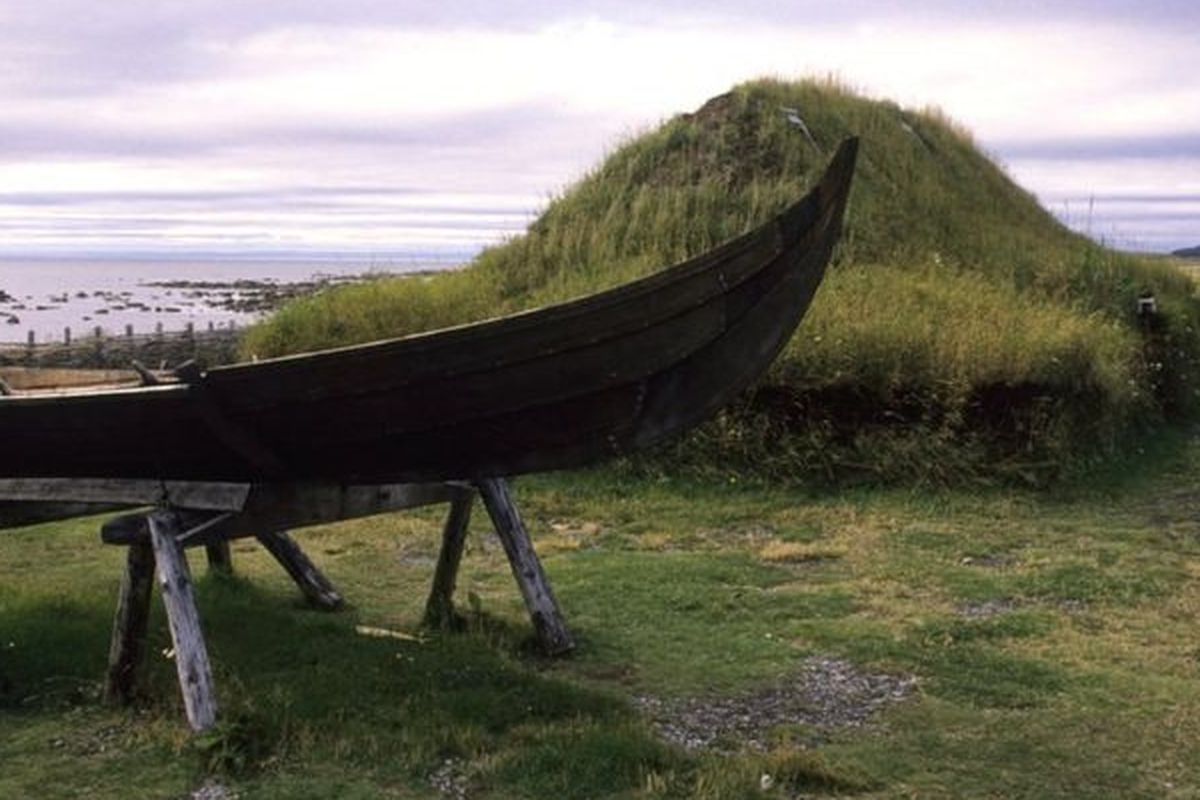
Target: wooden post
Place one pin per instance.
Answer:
(128, 647)
(439, 609)
(543, 608)
(128, 331)
(67, 335)
(315, 586)
(191, 654)
(220, 557)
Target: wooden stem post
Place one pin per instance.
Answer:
(128, 647)
(543, 608)
(315, 586)
(191, 654)
(439, 610)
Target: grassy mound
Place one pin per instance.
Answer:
(963, 331)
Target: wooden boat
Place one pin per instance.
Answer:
(541, 390)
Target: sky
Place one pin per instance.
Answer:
(390, 130)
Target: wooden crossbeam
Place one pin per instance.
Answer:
(282, 507)
(208, 496)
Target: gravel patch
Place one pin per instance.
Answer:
(826, 694)
(451, 779)
(213, 790)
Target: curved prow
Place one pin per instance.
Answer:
(828, 197)
(761, 313)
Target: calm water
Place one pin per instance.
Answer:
(47, 296)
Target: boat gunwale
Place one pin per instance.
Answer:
(561, 312)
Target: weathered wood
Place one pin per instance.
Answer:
(220, 558)
(240, 439)
(312, 582)
(191, 654)
(128, 646)
(19, 513)
(59, 379)
(129, 529)
(147, 377)
(439, 609)
(209, 495)
(276, 507)
(535, 588)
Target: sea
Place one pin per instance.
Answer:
(49, 296)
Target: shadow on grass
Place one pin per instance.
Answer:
(51, 653)
(303, 691)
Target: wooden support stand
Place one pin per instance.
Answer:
(548, 621)
(313, 584)
(128, 646)
(191, 654)
(220, 558)
(439, 609)
(210, 515)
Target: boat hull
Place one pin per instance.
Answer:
(557, 387)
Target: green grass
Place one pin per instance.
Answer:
(1084, 684)
(963, 334)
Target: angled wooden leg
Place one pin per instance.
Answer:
(128, 647)
(191, 655)
(439, 609)
(220, 557)
(315, 586)
(543, 608)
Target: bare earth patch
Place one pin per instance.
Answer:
(825, 694)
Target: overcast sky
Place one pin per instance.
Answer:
(392, 129)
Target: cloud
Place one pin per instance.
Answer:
(1182, 145)
(292, 105)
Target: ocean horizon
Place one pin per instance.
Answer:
(48, 294)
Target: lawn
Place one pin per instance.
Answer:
(734, 641)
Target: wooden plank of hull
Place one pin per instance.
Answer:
(494, 345)
(507, 398)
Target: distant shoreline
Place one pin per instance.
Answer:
(61, 301)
